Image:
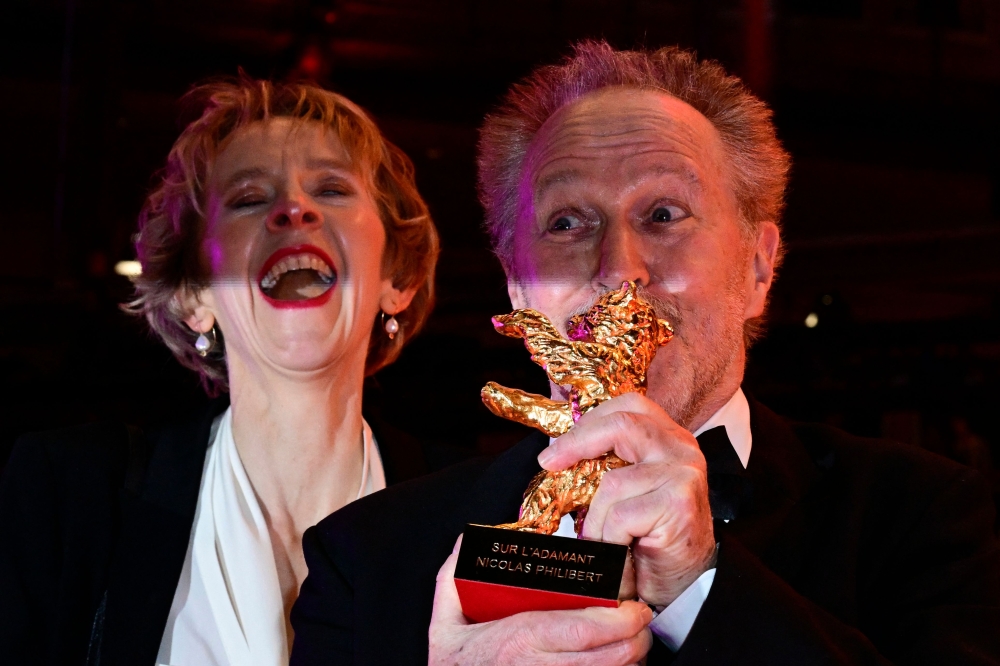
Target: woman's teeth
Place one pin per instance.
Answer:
(298, 277)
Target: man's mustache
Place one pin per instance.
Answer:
(663, 308)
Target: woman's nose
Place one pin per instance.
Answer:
(622, 258)
(291, 212)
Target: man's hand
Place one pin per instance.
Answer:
(661, 501)
(593, 636)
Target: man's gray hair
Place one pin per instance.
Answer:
(758, 163)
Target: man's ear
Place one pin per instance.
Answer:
(200, 317)
(762, 267)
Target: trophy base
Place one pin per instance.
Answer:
(502, 572)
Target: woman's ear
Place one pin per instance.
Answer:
(200, 316)
(393, 300)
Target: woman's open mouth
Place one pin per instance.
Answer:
(299, 276)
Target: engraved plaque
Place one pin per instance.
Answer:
(501, 572)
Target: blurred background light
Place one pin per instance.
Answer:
(128, 268)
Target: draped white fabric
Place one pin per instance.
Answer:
(227, 608)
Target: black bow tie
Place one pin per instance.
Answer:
(729, 488)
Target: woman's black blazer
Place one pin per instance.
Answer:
(94, 527)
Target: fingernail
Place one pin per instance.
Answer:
(546, 456)
(647, 614)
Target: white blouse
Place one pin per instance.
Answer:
(228, 608)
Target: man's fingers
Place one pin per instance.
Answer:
(447, 607)
(628, 589)
(587, 629)
(626, 652)
(665, 509)
(620, 484)
(632, 426)
(637, 517)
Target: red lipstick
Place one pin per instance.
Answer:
(280, 254)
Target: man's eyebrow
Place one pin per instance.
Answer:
(568, 175)
(559, 177)
(682, 170)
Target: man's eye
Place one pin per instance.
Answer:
(668, 214)
(566, 223)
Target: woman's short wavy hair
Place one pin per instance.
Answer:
(758, 163)
(172, 220)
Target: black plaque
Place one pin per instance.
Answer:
(537, 572)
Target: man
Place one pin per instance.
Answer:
(795, 544)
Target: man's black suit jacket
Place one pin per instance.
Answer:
(853, 551)
(71, 533)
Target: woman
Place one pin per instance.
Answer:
(286, 254)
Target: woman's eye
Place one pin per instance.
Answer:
(566, 223)
(247, 202)
(668, 214)
(334, 190)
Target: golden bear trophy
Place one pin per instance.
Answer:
(607, 352)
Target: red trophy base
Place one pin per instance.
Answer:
(503, 572)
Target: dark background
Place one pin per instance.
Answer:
(889, 108)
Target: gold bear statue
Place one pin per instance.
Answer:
(607, 353)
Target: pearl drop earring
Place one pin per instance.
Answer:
(205, 342)
(391, 325)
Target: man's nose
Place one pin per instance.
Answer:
(622, 258)
(292, 211)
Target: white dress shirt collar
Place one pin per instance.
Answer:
(735, 416)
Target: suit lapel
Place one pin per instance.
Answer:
(401, 454)
(155, 532)
(500, 489)
(782, 472)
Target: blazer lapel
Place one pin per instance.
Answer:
(155, 533)
(499, 491)
(782, 473)
(401, 454)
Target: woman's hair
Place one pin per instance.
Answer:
(172, 221)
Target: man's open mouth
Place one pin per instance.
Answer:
(297, 274)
